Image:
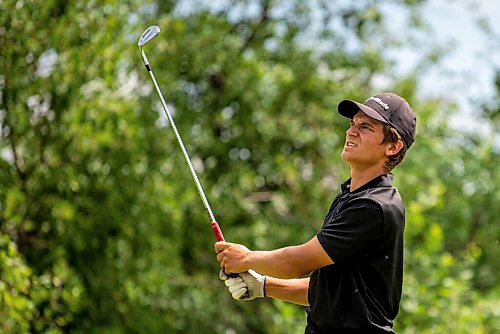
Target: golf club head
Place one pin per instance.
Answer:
(148, 35)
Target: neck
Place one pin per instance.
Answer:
(361, 177)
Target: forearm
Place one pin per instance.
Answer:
(288, 262)
(289, 290)
(281, 263)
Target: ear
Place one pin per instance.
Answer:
(394, 148)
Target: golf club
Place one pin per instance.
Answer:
(146, 36)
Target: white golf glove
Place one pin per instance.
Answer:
(250, 281)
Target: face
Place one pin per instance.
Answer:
(363, 148)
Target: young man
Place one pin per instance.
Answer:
(356, 259)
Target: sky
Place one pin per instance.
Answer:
(466, 73)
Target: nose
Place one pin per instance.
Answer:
(352, 130)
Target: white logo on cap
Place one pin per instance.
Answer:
(379, 101)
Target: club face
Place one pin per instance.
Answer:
(148, 35)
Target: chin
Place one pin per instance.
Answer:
(345, 155)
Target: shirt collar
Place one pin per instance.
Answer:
(384, 180)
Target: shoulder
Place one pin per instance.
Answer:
(365, 205)
(391, 208)
(383, 197)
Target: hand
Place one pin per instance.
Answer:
(250, 281)
(232, 256)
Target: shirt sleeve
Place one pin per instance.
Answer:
(352, 231)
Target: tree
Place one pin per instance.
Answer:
(101, 229)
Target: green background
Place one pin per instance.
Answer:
(101, 227)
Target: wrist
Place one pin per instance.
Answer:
(247, 261)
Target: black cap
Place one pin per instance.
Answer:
(387, 108)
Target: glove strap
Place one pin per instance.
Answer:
(264, 287)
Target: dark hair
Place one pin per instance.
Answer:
(391, 135)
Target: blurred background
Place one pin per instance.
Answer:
(101, 227)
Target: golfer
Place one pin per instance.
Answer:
(350, 274)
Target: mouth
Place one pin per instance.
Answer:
(351, 144)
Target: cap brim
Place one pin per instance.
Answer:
(349, 108)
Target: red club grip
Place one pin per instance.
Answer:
(220, 237)
(217, 231)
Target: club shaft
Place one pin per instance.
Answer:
(215, 226)
(181, 144)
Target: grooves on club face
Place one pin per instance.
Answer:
(148, 35)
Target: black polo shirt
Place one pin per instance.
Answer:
(363, 234)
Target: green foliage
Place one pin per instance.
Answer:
(101, 227)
